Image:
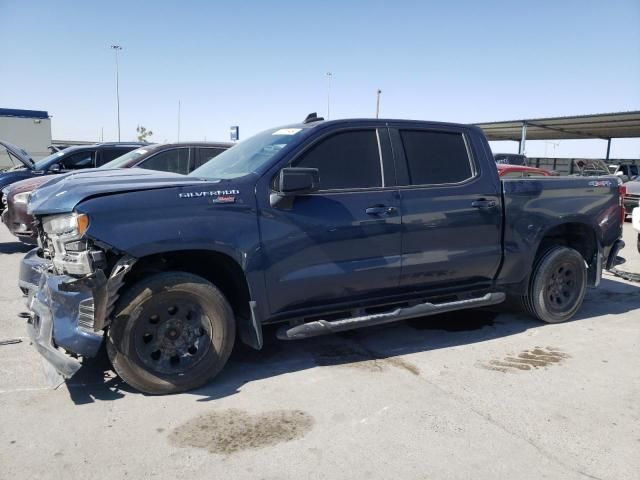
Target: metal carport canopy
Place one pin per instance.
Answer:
(604, 126)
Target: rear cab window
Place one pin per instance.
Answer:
(434, 157)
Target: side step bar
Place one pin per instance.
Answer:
(322, 327)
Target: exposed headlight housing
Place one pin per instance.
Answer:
(67, 225)
(68, 247)
(22, 197)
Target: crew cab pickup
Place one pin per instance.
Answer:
(321, 226)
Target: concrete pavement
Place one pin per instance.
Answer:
(468, 395)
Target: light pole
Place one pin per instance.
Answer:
(115, 48)
(378, 103)
(329, 75)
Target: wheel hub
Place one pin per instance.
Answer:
(172, 335)
(561, 288)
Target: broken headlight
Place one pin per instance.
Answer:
(66, 225)
(64, 236)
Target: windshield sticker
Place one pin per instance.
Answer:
(286, 131)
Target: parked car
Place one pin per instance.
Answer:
(72, 158)
(511, 159)
(169, 157)
(319, 226)
(632, 195)
(518, 171)
(626, 170)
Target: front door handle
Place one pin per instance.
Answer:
(381, 210)
(483, 203)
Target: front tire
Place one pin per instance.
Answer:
(557, 286)
(171, 332)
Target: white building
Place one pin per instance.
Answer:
(29, 129)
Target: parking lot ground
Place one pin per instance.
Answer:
(474, 394)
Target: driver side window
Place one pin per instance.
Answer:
(346, 160)
(76, 161)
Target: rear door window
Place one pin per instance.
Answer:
(175, 160)
(347, 160)
(204, 155)
(109, 154)
(435, 158)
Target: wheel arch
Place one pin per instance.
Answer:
(220, 269)
(579, 236)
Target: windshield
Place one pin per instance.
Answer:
(44, 163)
(247, 156)
(128, 158)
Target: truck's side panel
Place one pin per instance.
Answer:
(188, 224)
(534, 207)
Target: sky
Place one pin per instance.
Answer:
(259, 64)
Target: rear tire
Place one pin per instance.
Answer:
(557, 285)
(172, 332)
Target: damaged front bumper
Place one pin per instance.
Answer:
(67, 314)
(54, 325)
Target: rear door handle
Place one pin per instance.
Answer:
(380, 210)
(482, 203)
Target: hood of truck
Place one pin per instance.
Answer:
(64, 192)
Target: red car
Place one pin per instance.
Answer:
(520, 171)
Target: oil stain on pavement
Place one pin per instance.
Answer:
(230, 431)
(527, 360)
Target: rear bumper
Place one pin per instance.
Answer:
(60, 316)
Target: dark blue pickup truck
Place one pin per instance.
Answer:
(319, 226)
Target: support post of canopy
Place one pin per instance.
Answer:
(523, 138)
(608, 147)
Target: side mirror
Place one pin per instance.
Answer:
(298, 181)
(55, 168)
(292, 182)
